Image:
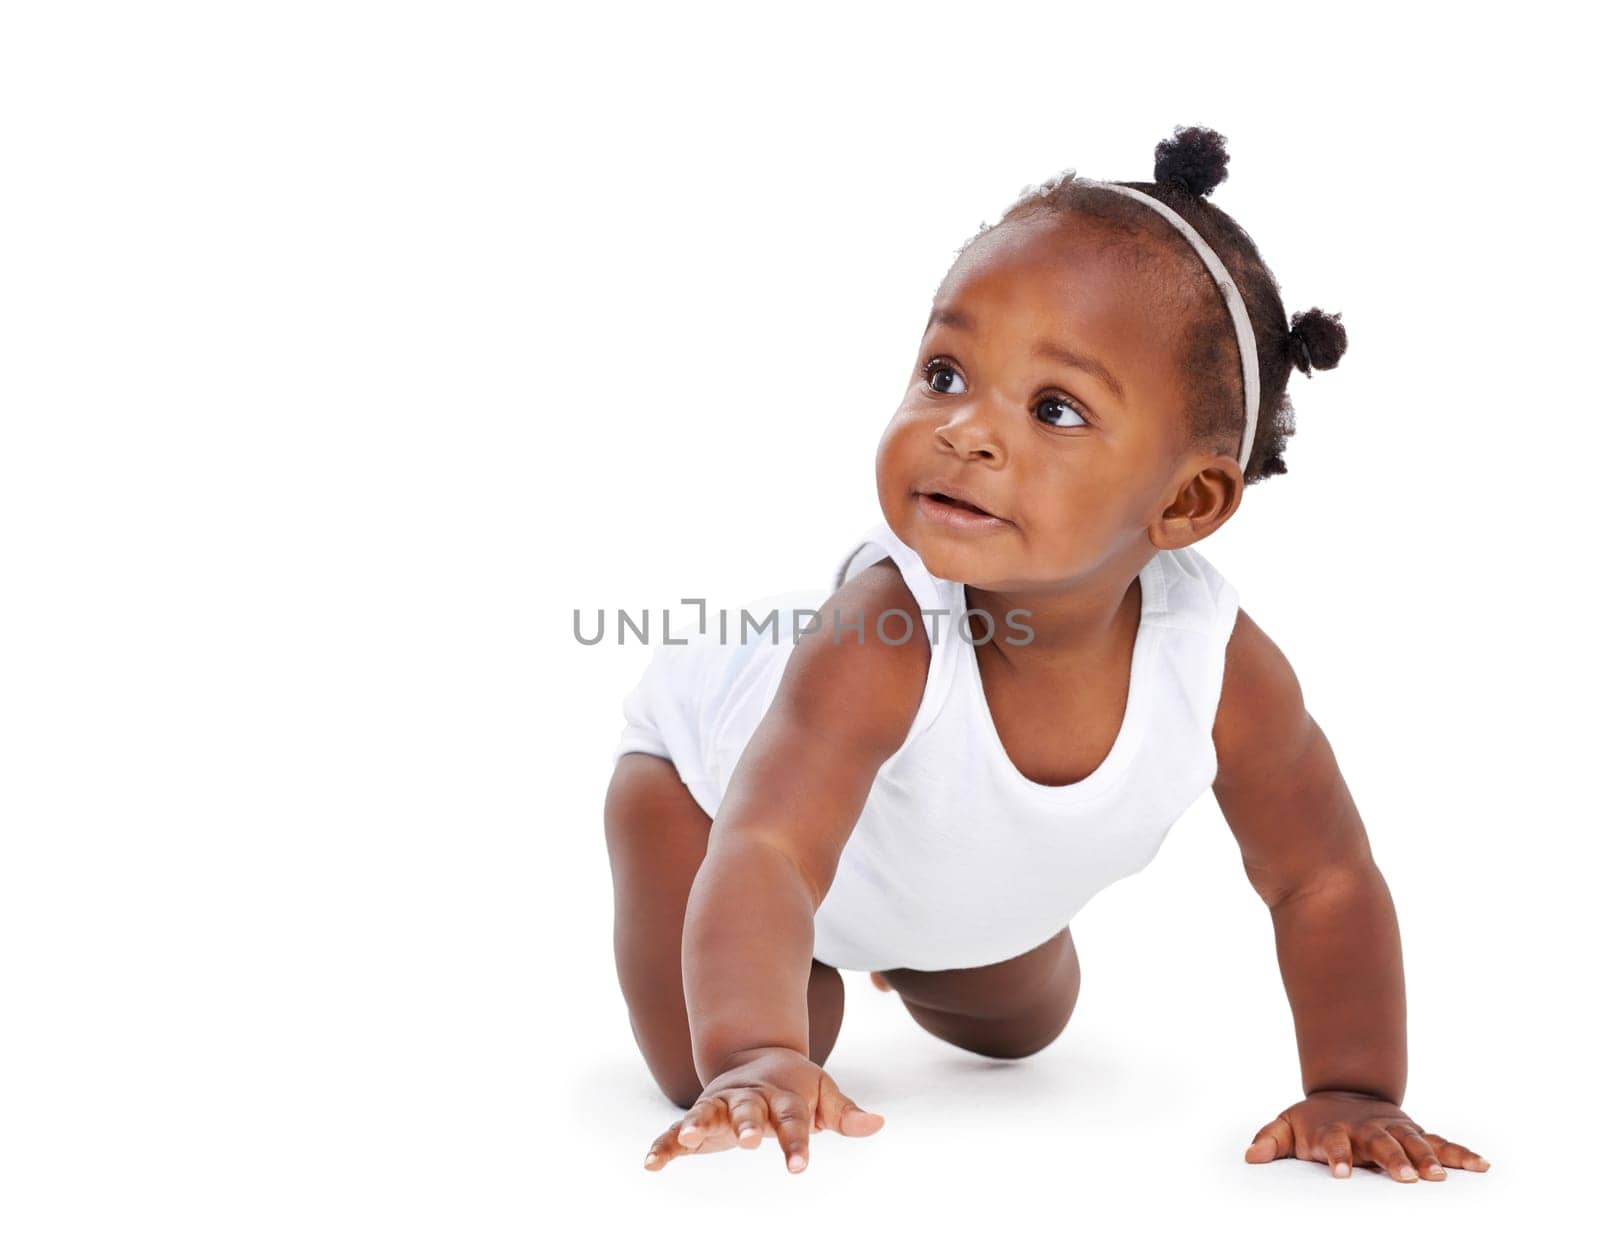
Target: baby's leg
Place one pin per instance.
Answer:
(656, 835)
(1005, 1010)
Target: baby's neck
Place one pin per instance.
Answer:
(1068, 628)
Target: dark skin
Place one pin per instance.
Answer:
(1086, 471)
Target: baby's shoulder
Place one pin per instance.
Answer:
(861, 669)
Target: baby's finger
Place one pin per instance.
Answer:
(1458, 1156)
(791, 1119)
(1380, 1147)
(747, 1115)
(1334, 1149)
(702, 1121)
(1418, 1150)
(664, 1148)
(838, 1113)
(1275, 1140)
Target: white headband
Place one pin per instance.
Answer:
(1230, 295)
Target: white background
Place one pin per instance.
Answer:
(347, 349)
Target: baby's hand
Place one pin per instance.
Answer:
(769, 1091)
(1343, 1128)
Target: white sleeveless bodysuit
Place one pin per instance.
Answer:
(957, 859)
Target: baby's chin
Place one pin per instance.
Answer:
(992, 560)
(961, 556)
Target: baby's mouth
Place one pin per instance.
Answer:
(950, 508)
(961, 505)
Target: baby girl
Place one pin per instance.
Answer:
(1019, 680)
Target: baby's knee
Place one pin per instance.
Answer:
(1008, 1038)
(825, 1004)
(1020, 1040)
(680, 1095)
(997, 1029)
(671, 1068)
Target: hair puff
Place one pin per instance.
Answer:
(1194, 159)
(1318, 339)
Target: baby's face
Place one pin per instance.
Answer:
(1075, 456)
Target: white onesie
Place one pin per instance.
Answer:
(957, 859)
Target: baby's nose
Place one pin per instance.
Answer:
(973, 432)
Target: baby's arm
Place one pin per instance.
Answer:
(1306, 853)
(841, 709)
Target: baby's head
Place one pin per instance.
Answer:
(1080, 380)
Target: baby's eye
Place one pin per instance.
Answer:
(935, 367)
(1067, 405)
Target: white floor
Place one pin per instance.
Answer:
(1133, 1125)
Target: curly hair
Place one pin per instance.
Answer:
(1188, 166)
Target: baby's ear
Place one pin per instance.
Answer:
(1204, 498)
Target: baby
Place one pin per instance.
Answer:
(1020, 680)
